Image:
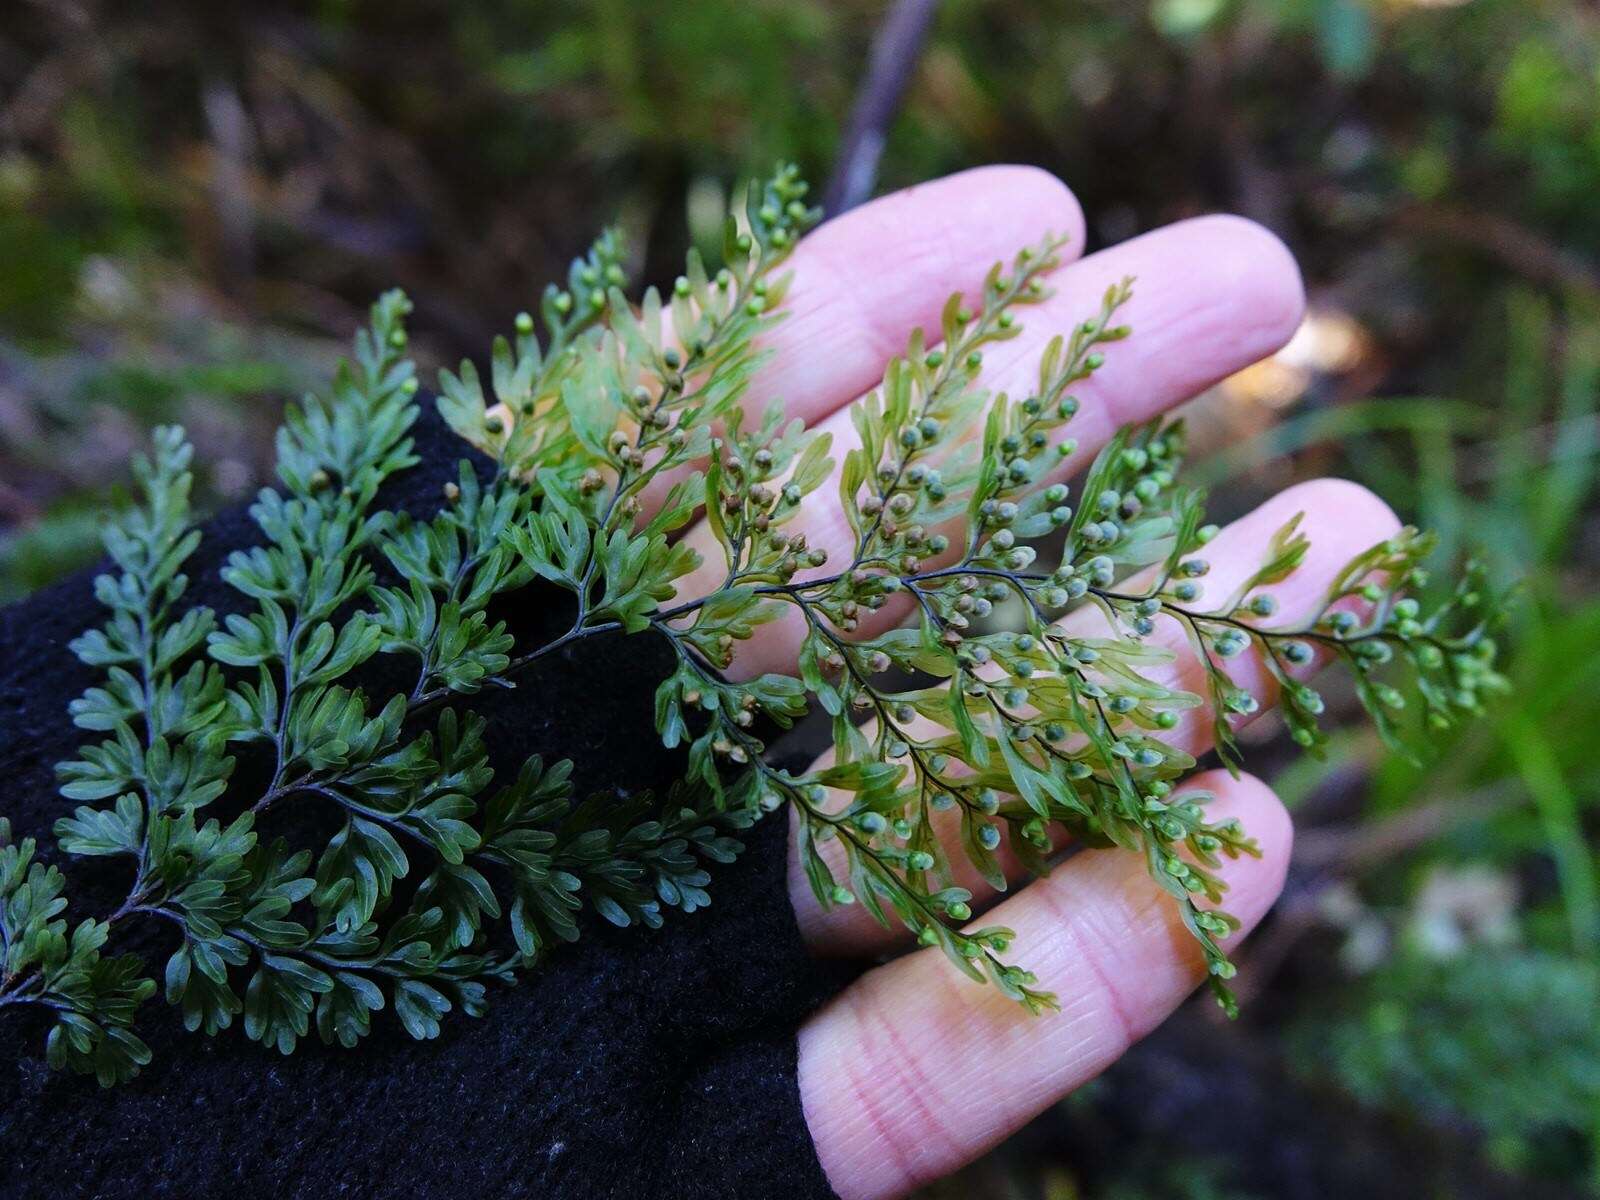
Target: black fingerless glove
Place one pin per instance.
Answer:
(635, 1063)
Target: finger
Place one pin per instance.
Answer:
(1342, 519)
(863, 282)
(913, 1070)
(1213, 295)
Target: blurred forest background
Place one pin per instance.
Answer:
(198, 200)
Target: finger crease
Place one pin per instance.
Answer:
(908, 1081)
(1072, 929)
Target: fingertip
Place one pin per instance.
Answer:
(1029, 190)
(1256, 262)
(1358, 506)
(1254, 881)
(887, 1068)
(1213, 295)
(1341, 518)
(863, 281)
(977, 216)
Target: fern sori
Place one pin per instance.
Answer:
(607, 437)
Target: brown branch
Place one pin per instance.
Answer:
(1509, 243)
(1349, 849)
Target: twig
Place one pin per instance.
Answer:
(1348, 849)
(895, 51)
(1509, 243)
(233, 145)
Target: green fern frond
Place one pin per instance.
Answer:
(994, 698)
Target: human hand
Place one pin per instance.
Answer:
(912, 1071)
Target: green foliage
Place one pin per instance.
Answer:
(92, 998)
(1506, 1040)
(1068, 726)
(1472, 1036)
(436, 884)
(282, 935)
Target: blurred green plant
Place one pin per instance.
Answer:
(1457, 1032)
(1506, 1041)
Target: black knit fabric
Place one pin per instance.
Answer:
(635, 1064)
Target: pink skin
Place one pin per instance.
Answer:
(1342, 520)
(861, 284)
(914, 1070)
